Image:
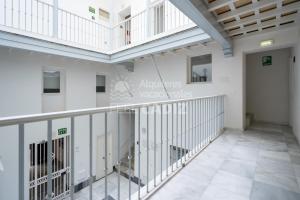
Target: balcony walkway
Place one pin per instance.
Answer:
(259, 164)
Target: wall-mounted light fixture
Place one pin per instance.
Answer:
(266, 43)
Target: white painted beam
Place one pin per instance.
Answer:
(219, 4)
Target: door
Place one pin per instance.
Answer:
(60, 169)
(100, 166)
(127, 29)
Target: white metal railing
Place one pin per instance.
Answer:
(41, 20)
(167, 135)
(158, 20)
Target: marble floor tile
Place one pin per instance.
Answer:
(244, 153)
(210, 159)
(233, 183)
(274, 146)
(265, 165)
(262, 191)
(295, 158)
(248, 142)
(218, 193)
(276, 155)
(239, 167)
(297, 170)
(179, 192)
(282, 181)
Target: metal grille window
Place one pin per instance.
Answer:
(100, 83)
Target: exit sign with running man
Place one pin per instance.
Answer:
(62, 131)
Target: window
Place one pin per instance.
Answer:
(51, 81)
(200, 69)
(100, 83)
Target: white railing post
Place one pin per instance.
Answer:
(148, 19)
(21, 161)
(55, 18)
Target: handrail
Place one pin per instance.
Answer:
(22, 119)
(139, 13)
(84, 18)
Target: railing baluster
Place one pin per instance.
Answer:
(129, 155)
(215, 115)
(197, 125)
(147, 121)
(105, 154)
(21, 161)
(222, 112)
(204, 121)
(177, 135)
(200, 123)
(72, 157)
(119, 157)
(12, 13)
(172, 114)
(181, 134)
(154, 146)
(193, 124)
(4, 13)
(49, 160)
(19, 14)
(167, 140)
(91, 157)
(139, 154)
(207, 119)
(189, 128)
(185, 131)
(161, 141)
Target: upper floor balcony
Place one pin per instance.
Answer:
(52, 22)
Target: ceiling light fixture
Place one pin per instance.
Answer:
(266, 43)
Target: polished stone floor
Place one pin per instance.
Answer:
(262, 163)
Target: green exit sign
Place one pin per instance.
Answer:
(92, 10)
(62, 131)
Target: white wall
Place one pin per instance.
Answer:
(295, 90)
(268, 86)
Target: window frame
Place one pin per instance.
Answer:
(43, 81)
(105, 83)
(189, 69)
